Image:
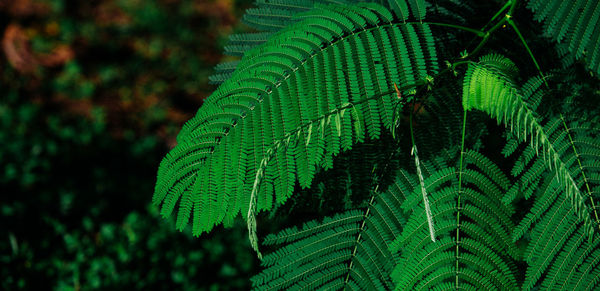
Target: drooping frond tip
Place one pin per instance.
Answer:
(490, 86)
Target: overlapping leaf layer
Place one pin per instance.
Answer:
(311, 91)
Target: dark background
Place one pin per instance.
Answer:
(92, 95)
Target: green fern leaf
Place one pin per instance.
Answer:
(272, 16)
(280, 116)
(482, 255)
(574, 23)
(558, 241)
(489, 86)
(347, 250)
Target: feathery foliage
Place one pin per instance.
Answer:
(563, 224)
(560, 249)
(317, 79)
(489, 86)
(575, 23)
(475, 252)
(312, 91)
(348, 250)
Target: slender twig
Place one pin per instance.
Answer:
(365, 217)
(460, 172)
(500, 23)
(537, 66)
(506, 6)
(487, 35)
(362, 227)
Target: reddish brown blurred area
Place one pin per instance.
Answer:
(108, 13)
(217, 9)
(20, 8)
(107, 54)
(19, 54)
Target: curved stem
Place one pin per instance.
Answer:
(507, 17)
(537, 66)
(357, 241)
(513, 6)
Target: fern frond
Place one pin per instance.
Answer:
(347, 250)
(266, 18)
(558, 238)
(292, 104)
(484, 256)
(561, 227)
(574, 23)
(272, 16)
(489, 86)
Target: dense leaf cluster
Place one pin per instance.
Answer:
(493, 174)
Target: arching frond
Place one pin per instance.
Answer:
(559, 169)
(326, 92)
(557, 237)
(489, 86)
(313, 90)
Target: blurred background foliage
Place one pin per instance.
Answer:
(92, 94)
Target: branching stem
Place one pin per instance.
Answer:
(503, 21)
(506, 6)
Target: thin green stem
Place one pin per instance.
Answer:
(460, 171)
(362, 228)
(537, 66)
(507, 17)
(513, 6)
(364, 220)
(506, 6)
(487, 35)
